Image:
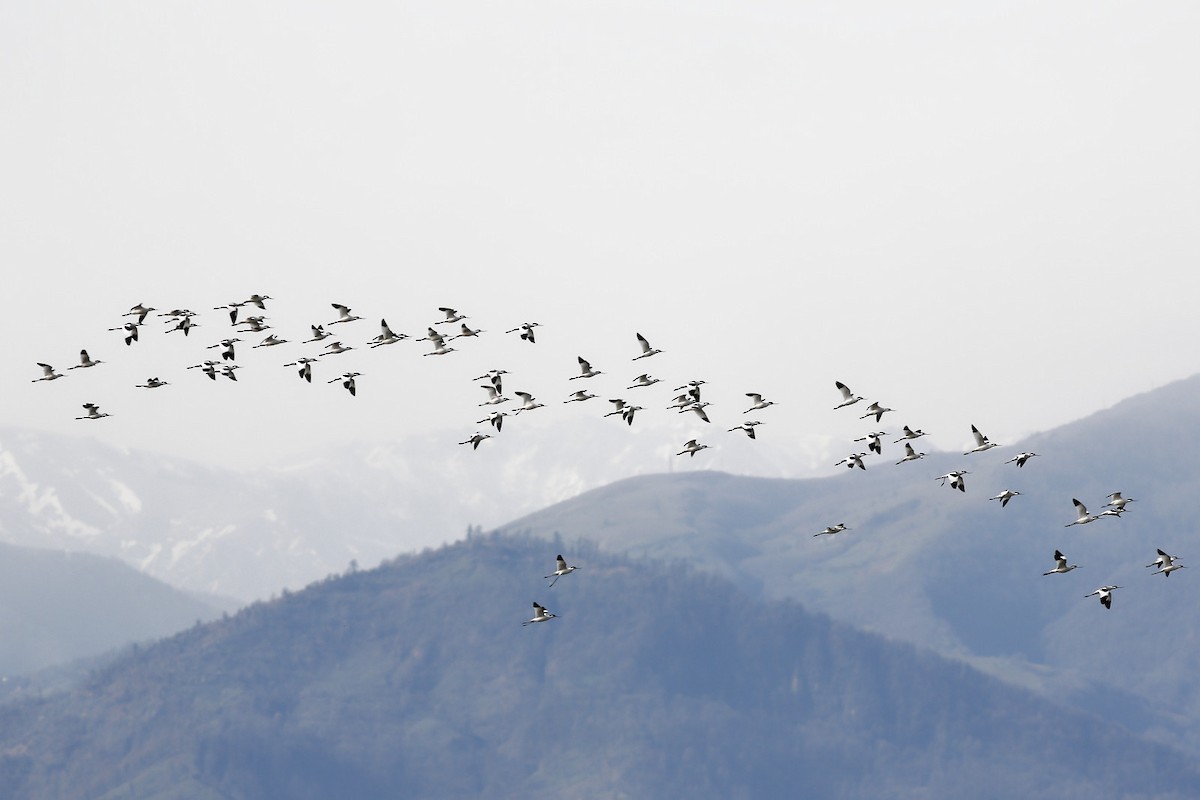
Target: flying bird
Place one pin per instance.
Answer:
(909, 433)
(540, 614)
(466, 332)
(344, 314)
(585, 369)
(347, 379)
(691, 448)
(1105, 593)
(131, 331)
(642, 380)
(981, 442)
(85, 361)
(956, 479)
(875, 410)
(140, 311)
(476, 439)
(527, 402)
(526, 331)
(1164, 560)
(647, 350)
(305, 364)
(1020, 458)
(1082, 517)
(757, 402)
(910, 454)
(579, 396)
(495, 419)
(336, 348)
(451, 315)
(318, 333)
(48, 373)
(152, 383)
(832, 529)
(93, 412)
(561, 569)
(1117, 501)
(271, 341)
(849, 398)
(386, 335)
(1060, 564)
(853, 460)
(747, 428)
(1005, 496)
(875, 445)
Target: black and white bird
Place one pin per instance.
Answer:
(580, 396)
(475, 440)
(1105, 593)
(1060, 564)
(131, 331)
(344, 314)
(876, 410)
(1164, 559)
(1005, 496)
(526, 330)
(853, 460)
(386, 335)
(305, 364)
(347, 379)
(527, 402)
(255, 324)
(494, 396)
(85, 361)
(585, 369)
(466, 332)
(910, 454)
(271, 341)
(140, 311)
(336, 348)
(152, 383)
(258, 300)
(228, 371)
(94, 412)
(495, 419)
(229, 353)
(909, 433)
(642, 380)
(647, 350)
(981, 442)
(318, 333)
(185, 324)
(1117, 501)
(747, 428)
(540, 614)
(1082, 517)
(48, 373)
(698, 410)
(875, 445)
(452, 315)
(561, 569)
(1020, 458)
(757, 402)
(849, 398)
(691, 447)
(832, 529)
(957, 481)
(628, 413)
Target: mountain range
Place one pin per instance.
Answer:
(417, 679)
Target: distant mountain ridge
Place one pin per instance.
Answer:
(57, 607)
(956, 572)
(417, 679)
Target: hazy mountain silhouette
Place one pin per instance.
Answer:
(417, 680)
(56, 607)
(955, 571)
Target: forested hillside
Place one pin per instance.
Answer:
(417, 679)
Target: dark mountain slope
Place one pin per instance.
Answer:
(956, 572)
(417, 680)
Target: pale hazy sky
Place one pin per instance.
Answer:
(974, 214)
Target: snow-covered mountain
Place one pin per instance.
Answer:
(249, 534)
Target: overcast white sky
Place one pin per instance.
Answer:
(975, 213)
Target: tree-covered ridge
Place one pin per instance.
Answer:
(416, 679)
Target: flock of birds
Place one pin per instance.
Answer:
(323, 344)
(956, 479)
